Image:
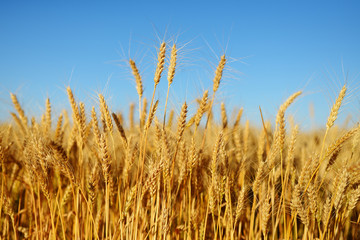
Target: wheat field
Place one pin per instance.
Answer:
(154, 175)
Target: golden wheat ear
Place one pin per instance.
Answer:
(335, 108)
(160, 63)
(151, 115)
(172, 66)
(120, 128)
(105, 113)
(223, 116)
(171, 74)
(137, 76)
(74, 106)
(219, 73)
(181, 122)
(202, 108)
(139, 88)
(47, 116)
(19, 109)
(280, 120)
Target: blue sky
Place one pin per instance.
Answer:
(274, 48)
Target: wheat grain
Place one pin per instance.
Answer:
(120, 128)
(19, 109)
(335, 108)
(201, 110)
(172, 66)
(160, 63)
(48, 116)
(151, 115)
(58, 132)
(223, 116)
(181, 122)
(219, 73)
(105, 113)
(135, 71)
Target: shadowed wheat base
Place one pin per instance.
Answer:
(104, 177)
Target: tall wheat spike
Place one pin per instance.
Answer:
(335, 108)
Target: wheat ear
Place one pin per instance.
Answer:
(105, 113)
(330, 122)
(223, 116)
(219, 73)
(137, 76)
(201, 110)
(151, 115)
(120, 128)
(19, 109)
(58, 133)
(238, 118)
(139, 86)
(160, 63)
(181, 122)
(216, 82)
(335, 108)
(131, 115)
(48, 116)
(170, 77)
(74, 107)
(95, 126)
(280, 119)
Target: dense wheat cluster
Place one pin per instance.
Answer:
(97, 175)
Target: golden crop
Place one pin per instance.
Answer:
(104, 177)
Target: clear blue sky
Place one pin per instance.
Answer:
(274, 48)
